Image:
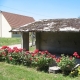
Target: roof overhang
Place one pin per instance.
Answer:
(51, 25)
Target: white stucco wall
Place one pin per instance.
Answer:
(5, 28)
(0, 23)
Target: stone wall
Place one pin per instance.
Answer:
(58, 42)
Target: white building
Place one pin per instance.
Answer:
(10, 21)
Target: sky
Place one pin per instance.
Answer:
(43, 9)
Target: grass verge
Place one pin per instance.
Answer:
(32, 48)
(9, 41)
(16, 72)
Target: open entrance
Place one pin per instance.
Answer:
(32, 41)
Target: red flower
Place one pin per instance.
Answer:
(10, 50)
(4, 53)
(75, 54)
(36, 51)
(46, 52)
(20, 49)
(16, 50)
(10, 58)
(78, 56)
(27, 52)
(53, 56)
(42, 52)
(33, 55)
(4, 47)
(58, 60)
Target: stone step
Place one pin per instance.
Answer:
(54, 69)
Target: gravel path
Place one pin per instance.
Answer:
(18, 45)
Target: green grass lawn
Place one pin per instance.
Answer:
(16, 72)
(9, 41)
(32, 48)
(12, 41)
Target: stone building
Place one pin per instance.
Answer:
(55, 35)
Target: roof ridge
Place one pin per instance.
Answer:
(15, 14)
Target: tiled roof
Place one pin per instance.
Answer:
(16, 20)
(72, 24)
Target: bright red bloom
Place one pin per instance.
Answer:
(46, 52)
(10, 58)
(75, 54)
(10, 50)
(3, 53)
(36, 51)
(42, 52)
(53, 56)
(27, 52)
(78, 56)
(17, 50)
(58, 60)
(33, 55)
(4, 47)
(20, 49)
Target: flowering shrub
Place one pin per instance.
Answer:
(76, 55)
(10, 55)
(66, 64)
(3, 53)
(27, 58)
(76, 71)
(42, 60)
(39, 59)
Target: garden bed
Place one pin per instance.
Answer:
(41, 60)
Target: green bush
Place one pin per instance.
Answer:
(39, 59)
(74, 73)
(66, 64)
